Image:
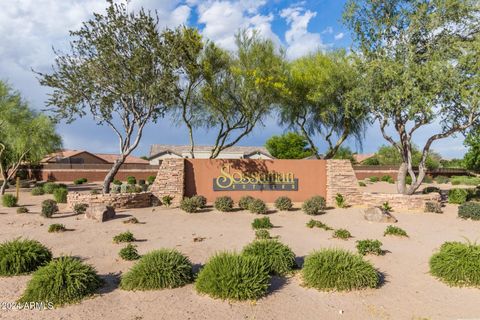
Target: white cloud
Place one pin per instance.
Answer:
(328, 30)
(339, 36)
(299, 40)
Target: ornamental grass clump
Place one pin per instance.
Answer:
(244, 202)
(343, 234)
(189, 205)
(9, 200)
(317, 224)
(159, 269)
(283, 203)
(63, 281)
(224, 204)
(234, 277)
(49, 187)
(56, 227)
(340, 270)
(369, 246)
(124, 237)
(262, 234)
(129, 253)
(279, 258)
(60, 195)
(395, 231)
(457, 196)
(314, 205)
(257, 206)
(49, 208)
(80, 208)
(262, 223)
(340, 201)
(469, 210)
(201, 201)
(21, 256)
(37, 191)
(457, 264)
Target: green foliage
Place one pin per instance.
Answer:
(234, 277)
(151, 179)
(9, 200)
(362, 184)
(374, 179)
(80, 208)
(278, 257)
(257, 206)
(471, 159)
(469, 210)
(340, 201)
(117, 182)
(283, 203)
(80, 181)
(442, 179)
(408, 180)
(37, 191)
(262, 234)
(141, 182)
(386, 206)
(369, 246)
(290, 145)
(345, 153)
(21, 256)
(318, 224)
(129, 252)
(387, 178)
(159, 269)
(314, 206)
(224, 204)
(457, 196)
(262, 223)
(22, 209)
(50, 187)
(167, 200)
(56, 227)
(131, 180)
(427, 179)
(201, 201)
(372, 161)
(430, 189)
(340, 270)
(49, 208)
(60, 195)
(465, 180)
(124, 237)
(395, 231)
(457, 264)
(63, 281)
(244, 202)
(189, 205)
(434, 207)
(343, 234)
(453, 163)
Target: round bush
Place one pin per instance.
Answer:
(49, 187)
(314, 205)
(457, 196)
(232, 276)
(62, 281)
(457, 264)
(158, 269)
(77, 181)
(22, 256)
(245, 202)
(9, 200)
(37, 191)
(117, 182)
(80, 208)
(129, 253)
(189, 205)
(150, 179)
(257, 206)
(336, 269)
(60, 195)
(278, 257)
(49, 208)
(201, 201)
(283, 203)
(131, 180)
(224, 204)
(469, 210)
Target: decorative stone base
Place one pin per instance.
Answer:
(115, 200)
(400, 201)
(170, 180)
(341, 179)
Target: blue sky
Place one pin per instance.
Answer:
(30, 28)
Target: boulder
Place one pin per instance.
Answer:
(100, 213)
(378, 214)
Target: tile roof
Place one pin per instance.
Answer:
(180, 149)
(107, 157)
(110, 158)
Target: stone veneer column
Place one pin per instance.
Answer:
(341, 179)
(170, 180)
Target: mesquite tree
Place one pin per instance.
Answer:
(25, 136)
(420, 64)
(119, 70)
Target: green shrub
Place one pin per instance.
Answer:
(374, 179)
(395, 231)
(189, 205)
(234, 277)
(340, 201)
(442, 179)
(369, 246)
(257, 206)
(64, 280)
(80, 208)
(151, 179)
(9, 200)
(408, 180)
(117, 182)
(434, 207)
(60, 195)
(262, 234)
(224, 204)
(77, 181)
(131, 180)
(469, 210)
(262, 223)
(457, 196)
(386, 206)
(317, 224)
(430, 189)
(159, 269)
(49, 187)
(278, 257)
(56, 227)
(129, 253)
(245, 202)
(21, 256)
(141, 182)
(167, 200)
(343, 234)
(457, 264)
(37, 191)
(22, 209)
(201, 201)
(283, 203)
(49, 208)
(362, 184)
(387, 178)
(95, 191)
(124, 237)
(427, 179)
(465, 180)
(336, 269)
(314, 205)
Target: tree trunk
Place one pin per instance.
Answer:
(192, 142)
(3, 187)
(402, 174)
(421, 175)
(111, 174)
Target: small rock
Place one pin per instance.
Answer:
(100, 213)
(378, 214)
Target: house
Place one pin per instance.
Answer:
(161, 151)
(85, 157)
